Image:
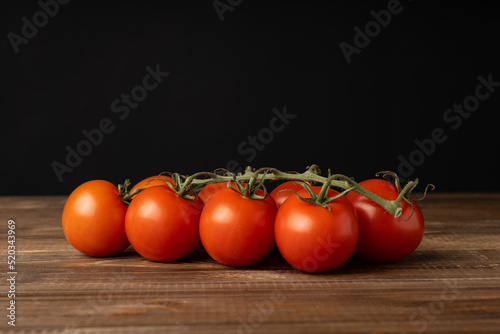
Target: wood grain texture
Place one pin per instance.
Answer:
(451, 284)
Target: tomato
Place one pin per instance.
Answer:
(159, 180)
(280, 196)
(152, 181)
(161, 226)
(237, 231)
(93, 219)
(313, 239)
(383, 238)
(211, 189)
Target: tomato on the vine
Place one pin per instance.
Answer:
(383, 238)
(280, 193)
(313, 238)
(237, 231)
(93, 219)
(211, 189)
(153, 181)
(160, 180)
(161, 226)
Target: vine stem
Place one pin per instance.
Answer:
(195, 182)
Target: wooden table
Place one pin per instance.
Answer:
(451, 284)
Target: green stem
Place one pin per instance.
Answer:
(190, 185)
(255, 179)
(324, 189)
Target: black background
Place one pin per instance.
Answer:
(227, 76)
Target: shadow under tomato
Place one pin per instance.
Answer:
(275, 262)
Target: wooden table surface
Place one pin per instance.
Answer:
(451, 284)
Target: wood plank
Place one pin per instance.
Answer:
(451, 284)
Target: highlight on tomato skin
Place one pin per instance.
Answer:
(382, 237)
(93, 219)
(314, 239)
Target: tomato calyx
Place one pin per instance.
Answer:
(250, 189)
(320, 199)
(124, 195)
(247, 184)
(181, 185)
(186, 185)
(405, 192)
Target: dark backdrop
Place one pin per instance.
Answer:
(351, 101)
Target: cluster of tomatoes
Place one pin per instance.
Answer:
(237, 230)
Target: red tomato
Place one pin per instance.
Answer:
(313, 239)
(161, 226)
(211, 189)
(383, 238)
(93, 219)
(153, 181)
(237, 231)
(280, 196)
(157, 180)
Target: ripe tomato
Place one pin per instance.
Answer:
(152, 181)
(157, 180)
(211, 189)
(237, 231)
(93, 219)
(161, 226)
(313, 239)
(280, 196)
(383, 238)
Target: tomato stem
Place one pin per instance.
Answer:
(123, 192)
(394, 175)
(186, 185)
(324, 190)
